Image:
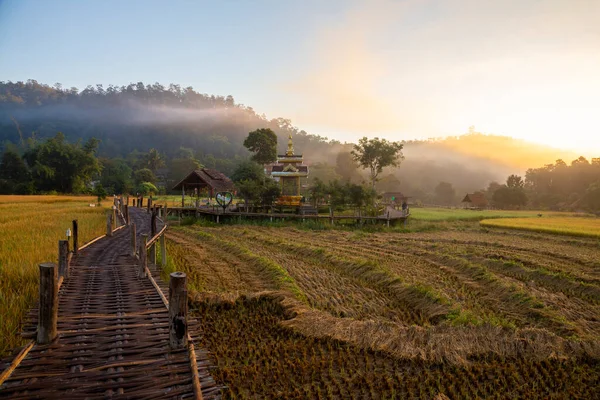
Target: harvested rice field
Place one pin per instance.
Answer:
(459, 313)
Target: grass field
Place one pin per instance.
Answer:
(560, 225)
(30, 227)
(457, 214)
(467, 313)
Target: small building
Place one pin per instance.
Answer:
(475, 200)
(288, 171)
(202, 178)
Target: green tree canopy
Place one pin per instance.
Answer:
(263, 143)
(153, 160)
(62, 166)
(376, 154)
(248, 170)
(144, 175)
(116, 176)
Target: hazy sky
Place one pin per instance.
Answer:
(342, 69)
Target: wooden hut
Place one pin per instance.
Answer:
(475, 200)
(202, 178)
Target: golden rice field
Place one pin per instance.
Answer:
(575, 226)
(30, 227)
(460, 313)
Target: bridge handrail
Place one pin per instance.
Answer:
(156, 237)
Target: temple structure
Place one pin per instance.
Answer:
(288, 171)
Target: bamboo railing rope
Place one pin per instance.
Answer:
(156, 237)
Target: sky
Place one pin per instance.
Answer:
(398, 69)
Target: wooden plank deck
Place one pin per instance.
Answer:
(113, 335)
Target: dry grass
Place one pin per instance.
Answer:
(30, 227)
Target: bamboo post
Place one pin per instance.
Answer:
(143, 257)
(182, 196)
(115, 221)
(152, 254)
(177, 310)
(331, 215)
(75, 237)
(163, 250)
(133, 240)
(63, 258)
(48, 312)
(127, 220)
(108, 224)
(153, 224)
(388, 219)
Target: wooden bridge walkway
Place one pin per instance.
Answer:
(113, 334)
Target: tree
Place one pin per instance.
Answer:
(509, 197)
(376, 154)
(263, 143)
(58, 165)
(248, 170)
(270, 192)
(116, 176)
(153, 160)
(252, 185)
(144, 175)
(338, 194)
(591, 198)
(445, 193)
(346, 167)
(359, 196)
(317, 191)
(514, 181)
(99, 192)
(146, 188)
(14, 174)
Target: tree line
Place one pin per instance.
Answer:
(188, 129)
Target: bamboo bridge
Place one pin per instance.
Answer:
(106, 325)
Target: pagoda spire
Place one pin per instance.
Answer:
(290, 150)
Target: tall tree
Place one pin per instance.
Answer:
(153, 160)
(376, 154)
(263, 143)
(346, 167)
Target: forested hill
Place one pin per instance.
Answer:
(136, 118)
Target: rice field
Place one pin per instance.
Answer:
(459, 214)
(560, 225)
(462, 313)
(30, 227)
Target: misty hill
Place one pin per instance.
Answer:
(138, 117)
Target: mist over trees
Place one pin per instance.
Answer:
(116, 134)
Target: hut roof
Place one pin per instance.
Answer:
(206, 177)
(477, 199)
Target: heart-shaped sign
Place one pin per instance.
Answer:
(224, 199)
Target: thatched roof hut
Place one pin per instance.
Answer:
(475, 200)
(202, 178)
